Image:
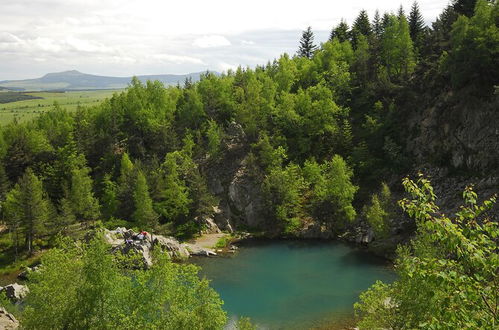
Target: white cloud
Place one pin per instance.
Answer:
(176, 59)
(88, 46)
(211, 41)
(116, 37)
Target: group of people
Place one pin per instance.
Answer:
(140, 237)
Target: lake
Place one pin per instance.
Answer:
(288, 284)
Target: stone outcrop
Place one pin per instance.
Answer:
(197, 250)
(230, 180)
(7, 320)
(15, 292)
(126, 241)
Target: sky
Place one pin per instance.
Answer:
(134, 37)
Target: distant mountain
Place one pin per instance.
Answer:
(75, 80)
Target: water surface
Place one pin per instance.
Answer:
(293, 284)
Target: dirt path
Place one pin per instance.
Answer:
(207, 241)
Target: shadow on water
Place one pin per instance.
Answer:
(357, 256)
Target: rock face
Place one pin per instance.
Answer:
(15, 292)
(457, 133)
(230, 180)
(126, 241)
(7, 320)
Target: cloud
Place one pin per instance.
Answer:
(211, 41)
(247, 42)
(124, 38)
(177, 59)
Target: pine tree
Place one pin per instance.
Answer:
(307, 47)
(361, 26)
(416, 25)
(34, 206)
(144, 214)
(85, 206)
(401, 12)
(340, 31)
(377, 26)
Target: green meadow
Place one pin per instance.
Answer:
(27, 109)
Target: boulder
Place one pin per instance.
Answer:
(7, 320)
(140, 249)
(174, 248)
(211, 226)
(15, 292)
(197, 250)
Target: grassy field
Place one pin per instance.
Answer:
(28, 109)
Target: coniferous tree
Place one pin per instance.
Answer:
(401, 12)
(464, 7)
(340, 31)
(144, 214)
(174, 198)
(361, 26)
(85, 206)
(416, 26)
(307, 47)
(32, 207)
(377, 26)
(126, 184)
(109, 199)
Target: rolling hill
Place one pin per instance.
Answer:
(75, 80)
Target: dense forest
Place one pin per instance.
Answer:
(321, 137)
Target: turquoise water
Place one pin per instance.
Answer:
(293, 284)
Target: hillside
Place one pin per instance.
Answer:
(75, 80)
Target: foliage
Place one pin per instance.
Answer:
(307, 46)
(144, 215)
(448, 277)
(27, 208)
(379, 212)
(81, 287)
(473, 59)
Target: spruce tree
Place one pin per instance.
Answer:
(401, 12)
(416, 25)
(340, 31)
(144, 214)
(307, 47)
(361, 26)
(377, 26)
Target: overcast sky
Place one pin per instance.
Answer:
(132, 37)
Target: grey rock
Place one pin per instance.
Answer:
(174, 248)
(7, 320)
(197, 250)
(15, 292)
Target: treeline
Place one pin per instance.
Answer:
(311, 121)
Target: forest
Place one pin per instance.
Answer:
(325, 136)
